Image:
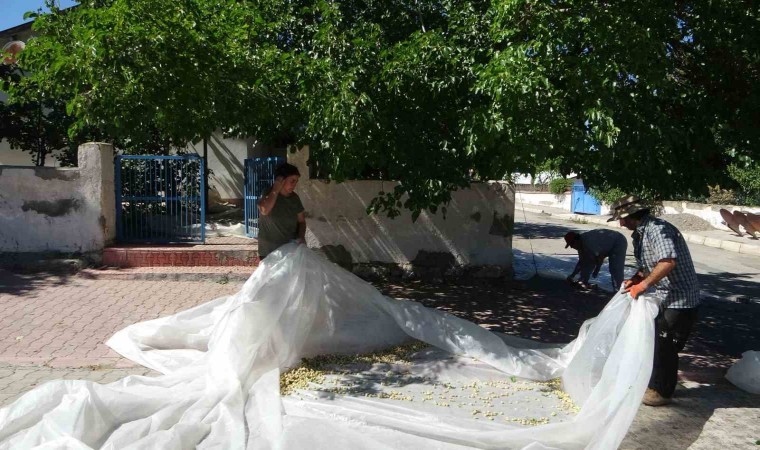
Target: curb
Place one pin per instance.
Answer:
(731, 246)
(123, 275)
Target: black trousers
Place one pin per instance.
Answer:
(672, 329)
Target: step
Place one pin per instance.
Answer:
(217, 251)
(218, 274)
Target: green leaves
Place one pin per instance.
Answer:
(645, 97)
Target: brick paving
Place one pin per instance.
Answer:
(15, 380)
(63, 321)
(54, 326)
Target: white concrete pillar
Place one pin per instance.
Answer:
(96, 163)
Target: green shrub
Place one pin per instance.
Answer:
(748, 179)
(560, 185)
(608, 195)
(719, 196)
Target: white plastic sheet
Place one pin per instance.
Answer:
(745, 373)
(222, 362)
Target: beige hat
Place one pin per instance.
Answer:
(625, 206)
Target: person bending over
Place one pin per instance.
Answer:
(593, 248)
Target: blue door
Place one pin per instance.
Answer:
(159, 199)
(583, 202)
(259, 176)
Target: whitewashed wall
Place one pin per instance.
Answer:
(15, 157)
(561, 201)
(477, 229)
(710, 213)
(226, 161)
(45, 209)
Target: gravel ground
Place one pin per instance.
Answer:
(688, 222)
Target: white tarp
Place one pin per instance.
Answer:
(222, 362)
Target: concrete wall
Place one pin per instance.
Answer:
(563, 201)
(710, 213)
(226, 159)
(477, 229)
(545, 199)
(61, 210)
(15, 157)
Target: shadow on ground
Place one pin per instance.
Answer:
(549, 310)
(726, 285)
(21, 283)
(542, 309)
(542, 230)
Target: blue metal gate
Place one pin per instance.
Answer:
(582, 201)
(160, 199)
(259, 176)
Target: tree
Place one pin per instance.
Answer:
(38, 125)
(648, 97)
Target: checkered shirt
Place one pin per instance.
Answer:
(656, 239)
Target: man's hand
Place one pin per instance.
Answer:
(636, 290)
(636, 279)
(279, 182)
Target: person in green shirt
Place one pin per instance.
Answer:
(281, 213)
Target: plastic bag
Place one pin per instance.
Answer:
(745, 373)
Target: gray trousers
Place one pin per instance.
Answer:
(617, 262)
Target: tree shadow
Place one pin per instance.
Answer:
(737, 287)
(543, 230)
(18, 282)
(723, 332)
(547, 310)
(542, 309)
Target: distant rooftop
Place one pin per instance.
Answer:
(17, 29)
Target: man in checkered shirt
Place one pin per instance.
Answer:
(664, 264)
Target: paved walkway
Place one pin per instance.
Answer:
(54, 326)
(63, 320)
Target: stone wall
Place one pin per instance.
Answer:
(59, 210)
(473, 240)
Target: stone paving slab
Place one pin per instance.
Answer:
(725, 429)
